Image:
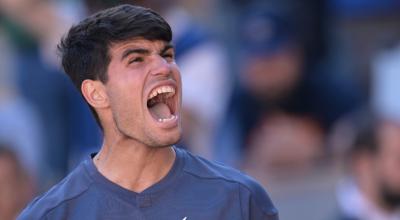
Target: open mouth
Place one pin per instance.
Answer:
(162, 103)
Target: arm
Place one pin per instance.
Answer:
(256, 204)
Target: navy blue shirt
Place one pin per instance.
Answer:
(194, 189)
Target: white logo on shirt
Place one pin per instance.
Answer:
(184, 218)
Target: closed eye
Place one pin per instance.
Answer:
(136, 60)
(169, 56)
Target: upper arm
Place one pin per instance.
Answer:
(256, 204)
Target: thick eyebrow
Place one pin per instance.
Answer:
(131, 51)
(167, 47)
(142, 51)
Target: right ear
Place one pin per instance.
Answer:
(94, 93)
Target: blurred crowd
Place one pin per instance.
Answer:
(302, 95)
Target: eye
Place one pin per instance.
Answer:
(136, 60)
(169, 56)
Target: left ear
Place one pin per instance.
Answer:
(94, 93)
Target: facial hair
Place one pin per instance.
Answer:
(390, 197)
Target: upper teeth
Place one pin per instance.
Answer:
(162, 89)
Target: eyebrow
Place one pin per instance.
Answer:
(131, 51)
(143, 51)
(166, 47)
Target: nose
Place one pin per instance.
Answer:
(161, 66)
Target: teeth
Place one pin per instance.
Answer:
(172, 117)
(163, 89)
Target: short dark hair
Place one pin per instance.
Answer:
(365, 124)
(84, 50)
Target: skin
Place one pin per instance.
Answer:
(374, 171)
(136, 151)
(284, 142)
(273, 77)
(15, 187)
(387, 162)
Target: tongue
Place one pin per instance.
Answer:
(160, 110)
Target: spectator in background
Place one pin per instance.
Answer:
(34, 28)
(279, 85)
(371, 191)
(282, 144)
(16, 187)
(19, 122)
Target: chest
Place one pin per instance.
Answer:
(171, 205)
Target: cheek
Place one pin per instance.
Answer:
(126, 95)
(390, 171)
(176, 72)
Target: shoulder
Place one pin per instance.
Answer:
(71, 187)
(251, 192)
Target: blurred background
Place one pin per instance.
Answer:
(301, 95)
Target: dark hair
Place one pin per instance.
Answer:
(365, 125)
(84, 50)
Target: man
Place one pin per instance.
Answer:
(123, 63)
(372, 192)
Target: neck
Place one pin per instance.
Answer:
(132, 165)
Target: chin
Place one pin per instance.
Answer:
(173, 139)
(166, 140)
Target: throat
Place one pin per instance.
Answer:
(137, 170)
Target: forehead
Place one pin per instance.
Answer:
(389, 137)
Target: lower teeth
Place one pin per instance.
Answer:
(167, 119)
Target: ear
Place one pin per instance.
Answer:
(94, 93)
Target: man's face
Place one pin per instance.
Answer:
(144, 90)
(273, 76)
(388, 164)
